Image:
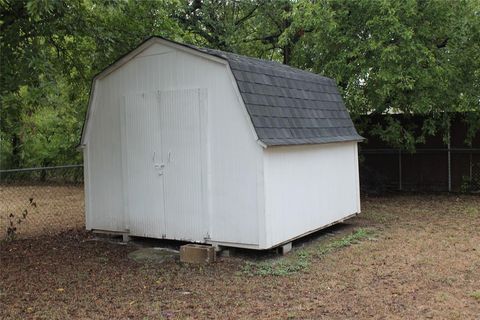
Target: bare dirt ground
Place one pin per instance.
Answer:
(405, 257)
(50, 209)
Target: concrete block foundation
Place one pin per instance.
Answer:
(196, 253)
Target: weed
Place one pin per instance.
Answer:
(300, 260)
(103, 259)
(380, 217)
(475, 295)
(346, 241)
(470, 184)
(441, 296)
(282, 267)
(14, 221)
(472, 212)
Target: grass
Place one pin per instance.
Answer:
(301, 259)
(423, 265)
(472, 212)
(475, 295)
(346, 241)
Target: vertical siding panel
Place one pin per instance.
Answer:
(89, 222)
(357, 176)
(124, 170)
(204, 151)
(181, 138)
(145, 194)
(235, 158)
(104, 164)
(308, 187)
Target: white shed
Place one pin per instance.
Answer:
(201, 145)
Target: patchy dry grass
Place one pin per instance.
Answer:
(475, 294)
(301, 259)
(405, 257)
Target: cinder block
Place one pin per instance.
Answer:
(226, 252)
(286, 248)
(126, 238)
(197, 253)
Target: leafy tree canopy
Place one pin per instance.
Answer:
(411, 57)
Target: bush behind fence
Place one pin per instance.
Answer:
(41, 201)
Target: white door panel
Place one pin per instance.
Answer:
(163, 152)
(144, 166)
(183, 156)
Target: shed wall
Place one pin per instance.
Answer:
(234, 160)
(322, 188)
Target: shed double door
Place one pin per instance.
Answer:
(163, 158)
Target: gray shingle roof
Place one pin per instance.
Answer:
(289, 106)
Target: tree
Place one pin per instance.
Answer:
(409, 57)
(33, 39)
(260, 28)
(50, 51)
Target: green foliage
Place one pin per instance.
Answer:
(410, 57)
(50, 51)
(346, 241)
(475, 295)
(282, 267)
(470, 184)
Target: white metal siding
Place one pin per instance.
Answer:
(104, 179)
(234, 166)
(183, 157)
(87, 188)
(356, 172)
(234, 160)
(142, 155)
(307, 187)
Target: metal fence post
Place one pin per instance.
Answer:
(449, 163)
(400, 185)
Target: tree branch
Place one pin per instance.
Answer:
(246, 17)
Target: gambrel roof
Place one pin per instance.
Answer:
(287, 106)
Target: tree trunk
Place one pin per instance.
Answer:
(16, 148)
(287, 54)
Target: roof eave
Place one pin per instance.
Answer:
(270, 145)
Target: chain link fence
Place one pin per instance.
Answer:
(41, 201)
